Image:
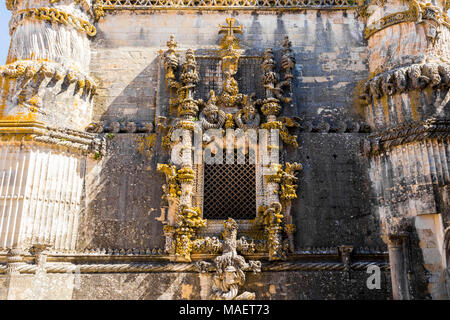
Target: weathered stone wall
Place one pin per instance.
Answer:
(298, 285)
(334, 206)
(329, 49)
(331, 59)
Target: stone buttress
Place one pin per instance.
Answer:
(407, 105)
(46, 102)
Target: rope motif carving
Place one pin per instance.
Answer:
(52, 15)
(189, 267)
(430, 129)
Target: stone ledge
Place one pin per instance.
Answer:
(438, 129)
(21, 132)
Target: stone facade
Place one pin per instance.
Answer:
(93, 206)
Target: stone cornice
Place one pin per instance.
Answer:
(189, 267)
(22, 132)
(312, 259)
(103, 6)
(120, 127)
(11, 5)
(430, 129)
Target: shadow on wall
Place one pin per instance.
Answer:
(123, 192)
(137, 101)
(335, 203)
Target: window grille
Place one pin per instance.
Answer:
(229, 191)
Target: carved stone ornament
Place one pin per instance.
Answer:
(182, 200)
(230, 268)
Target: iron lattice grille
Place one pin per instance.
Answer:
(229, 191)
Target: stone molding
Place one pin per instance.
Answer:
(417, 12)
(405, 78)
(188, 267)
(438, 129)
(120, 127)
(29, 69)
(103, 6)
(53, 15)
(21, 132)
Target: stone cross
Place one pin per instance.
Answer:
(230, 29)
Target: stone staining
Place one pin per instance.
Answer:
(407, 106)
(180, 240)
(230, 268)
(42, 145)
(55, 140)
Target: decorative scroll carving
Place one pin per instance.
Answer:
(178, 198)
(415, 76)
(53, 15)
(230, 268)
(229, 52)
(271, 218)
(248, 116)
(288, 181)
(189, 221)
(102, 6)
(417, 12)
(278, 93)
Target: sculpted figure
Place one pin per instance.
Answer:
(430, 70)
(211, 117)
(231, 267)
(400, 79)
(418, 81)
(388, 85)
(248, 116)
(230, 92)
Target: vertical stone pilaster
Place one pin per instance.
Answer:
(399, 280)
